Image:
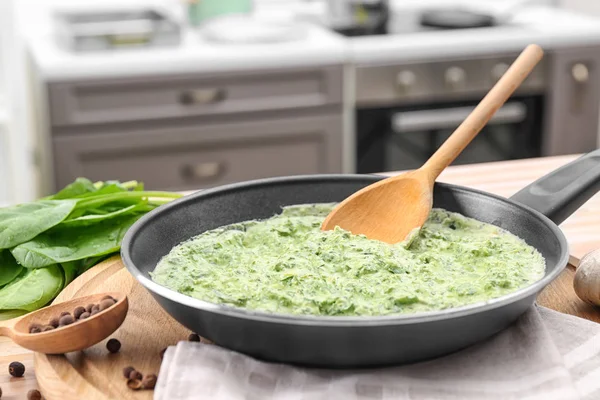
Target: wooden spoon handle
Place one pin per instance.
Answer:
(484, 111)
(6, 327)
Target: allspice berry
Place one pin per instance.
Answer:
(135, 375)
(89, 307)
(53, 322)
(113, 345)
(94, 311)
(134, 384)
(96, 308)
(0, 392)
(16, 369)
(62, 314)
(66, 319)
(47, 328)
(78, 311)
(107, 297)
(194, 337)
(149, 381)
(35, 328)
(34, 394)
(104, 304)
(127, 371)
(84, 315)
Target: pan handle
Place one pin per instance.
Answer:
(560, 193)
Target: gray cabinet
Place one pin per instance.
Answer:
(188, 132)
(574, 100)
(152, 98)
(203, 156)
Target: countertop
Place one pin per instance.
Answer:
(548, 26)
(504, 178)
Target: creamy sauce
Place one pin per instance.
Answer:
(285, 264)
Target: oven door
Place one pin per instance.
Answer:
(401, 138)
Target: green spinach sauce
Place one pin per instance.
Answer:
(285, 264)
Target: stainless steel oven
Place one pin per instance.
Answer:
(404, 112)
(404, 137)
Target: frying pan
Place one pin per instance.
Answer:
(343, 342)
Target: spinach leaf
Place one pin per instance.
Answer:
(96, 217)
(10, 314)
(79, 187)
(61, 245)
(71, 270)
(33, 289)
(9, 269)
(23, 222)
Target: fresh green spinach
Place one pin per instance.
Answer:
(9, 269)
(62, 245)
(23, 222)
(32, 289)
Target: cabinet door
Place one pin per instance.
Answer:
(203, 156)
(574, 102)
(197, 95)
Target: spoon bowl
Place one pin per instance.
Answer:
(79, 335)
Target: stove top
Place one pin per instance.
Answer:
(409, 17)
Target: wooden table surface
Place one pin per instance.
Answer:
(503, 178)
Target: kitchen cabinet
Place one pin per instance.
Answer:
(192, 131)
(193, 157)
(573, 102)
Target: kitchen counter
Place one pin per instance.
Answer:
(582, 230)
(550, 27)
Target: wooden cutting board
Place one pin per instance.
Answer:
(95, 374)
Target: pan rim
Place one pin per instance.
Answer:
(337, 321)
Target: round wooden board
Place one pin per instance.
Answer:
(96, 374)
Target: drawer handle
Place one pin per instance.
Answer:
(202, 96)
(202, 171)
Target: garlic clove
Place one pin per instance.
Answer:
(587, 278)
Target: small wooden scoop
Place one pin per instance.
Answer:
(79, 335)
(392, 208)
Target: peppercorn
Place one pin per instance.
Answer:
(65, 320)
(53, 322)
(127, 371)
(89, 307)
(47, 328)
(78, 311)
(135, 375)
(162, 353)
(134, 384)
(34, 394)
(149, 381)
(194, 337)
(62, 314)
(16, 369)
(104, 304)
(113, 345)
(84, 315)
(35, 328)
(107, 297)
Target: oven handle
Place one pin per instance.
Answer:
(450, 118)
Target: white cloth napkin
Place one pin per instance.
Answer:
(545, 355)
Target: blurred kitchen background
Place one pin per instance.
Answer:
(187, 94)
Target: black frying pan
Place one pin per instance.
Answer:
(531, 214)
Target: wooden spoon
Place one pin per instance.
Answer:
(77, 336)
(392, 208)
